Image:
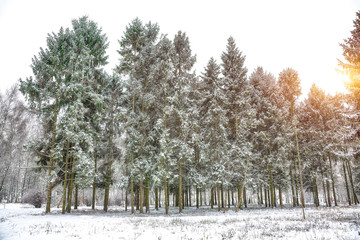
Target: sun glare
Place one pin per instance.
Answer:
(333, 82)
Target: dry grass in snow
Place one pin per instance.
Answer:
(19, 221)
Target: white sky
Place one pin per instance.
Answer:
(274, 34)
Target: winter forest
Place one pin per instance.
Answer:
(153, 134)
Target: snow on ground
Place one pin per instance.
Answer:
(20, 221)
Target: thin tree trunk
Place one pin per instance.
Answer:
(94, 182)
(156, 199)
(300, 176)
(332, 181)
(212, 197)
(281, 199)
(159, 197)
(222, 196)
(328, 192)
(76, 203)
(197, 196)
(141, 203)
(69, 200)
(205, 203)
(166, 196)
(245, 199)
(292, 186)
(126, 197)
(243, 184)
(225, 201)
(147, 195)
(271, 184)
(315, 192)
(346, 184)
(49, 189)
(324, 190)
(190, 195)
(65, 176)
(355, 200)
(180, 187)
(228, 193)
(218, 197)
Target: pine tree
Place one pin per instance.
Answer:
(182, 61)
(68, 72)
(351, 65)
(45, 92)
(130, 46)
(238, 112)
(212, 110)
(289, 83)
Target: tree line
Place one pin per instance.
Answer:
(166, 130)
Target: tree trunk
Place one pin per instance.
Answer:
(65, 176)
(132, 185)
(242, 185)
(49, 189)
(355, 200)
(332, 181)
(159, 197)
(205, 203)
(225, 201)
(215, 197)
(137, 199)
(166, 193)
(156, 199)
(218, 197)
(197, 196)
(228, 193)
(147, 195)
(94, 182)
(141, 200)
(315, 193)
(126, 197)
(180, 187)
(328, 192)
(72, 178)
(324, 190)
(280, 197)
(346, 184)
(271, 184)
(76, 203)
(245, 198)
(222, 196)
(212, 197)
(300, 176)
(292, 186)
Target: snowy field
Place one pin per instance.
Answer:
(20, 221)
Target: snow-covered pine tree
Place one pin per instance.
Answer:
(139, 54)
(67, 75)
(212, 109)
(183, 62)
(44, 93)
(239, 113)
(162, 107)
(290, 90)
(351, 67)
(269, 135)
(130, 46)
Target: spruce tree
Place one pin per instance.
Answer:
(238, 112)
(183, 61)
(351, 65)
(213, 124)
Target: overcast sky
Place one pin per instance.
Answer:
(274, 34)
